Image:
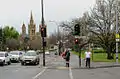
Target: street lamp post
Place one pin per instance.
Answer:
(43, 37)
(58, 37)
(117, 31)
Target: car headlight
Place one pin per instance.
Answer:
(33, 59)
(2, 60)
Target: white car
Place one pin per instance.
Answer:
(30, 57)
(47, 53)
(15, 56)
(4, 58)
(21, 54)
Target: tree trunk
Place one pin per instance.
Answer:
(109, 55)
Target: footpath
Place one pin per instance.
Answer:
(56, 70)
(75, 63)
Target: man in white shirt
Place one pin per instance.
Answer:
(87, 57)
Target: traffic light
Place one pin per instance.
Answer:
(43, 31)
(77, 29)
(76, 41)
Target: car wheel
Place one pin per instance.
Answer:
(37, 62)
(3, 63)
(9, 63)
(22, 63)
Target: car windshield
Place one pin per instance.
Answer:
(30, 54)
(14, 53)
(2, 54)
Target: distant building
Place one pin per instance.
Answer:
(32, 34)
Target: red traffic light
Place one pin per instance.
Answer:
(43, 32)
(76, 41)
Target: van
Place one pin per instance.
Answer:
(4, 58)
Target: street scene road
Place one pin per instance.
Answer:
(55, 69)
(73, 39)
(16, 71)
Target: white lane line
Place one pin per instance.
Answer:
(70, 73)
(40, 73)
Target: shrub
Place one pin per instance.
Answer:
(99, 51)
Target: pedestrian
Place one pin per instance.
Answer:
(67, 57)
(87, 57)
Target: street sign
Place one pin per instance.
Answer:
(117, 36)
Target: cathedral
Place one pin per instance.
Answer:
(32, 34)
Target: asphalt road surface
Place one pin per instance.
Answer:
(16, 71)
(55, 69)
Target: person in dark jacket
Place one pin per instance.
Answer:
(67, 57)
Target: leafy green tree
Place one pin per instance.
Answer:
(9, 33)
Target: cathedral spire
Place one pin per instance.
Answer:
(31, 17)
(23, 24)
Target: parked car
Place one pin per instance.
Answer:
(47, 53)
(15, 56)
(4, 58)
(22, 54)
(30, 57)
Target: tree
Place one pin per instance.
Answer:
(9, 33)
(12, 44)
(101, 23)
(69, 28)
(52, 39)
(35, 44)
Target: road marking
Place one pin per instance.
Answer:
(62, 68)
(40, 73)
(70, 73)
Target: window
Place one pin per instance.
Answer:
(32, 31)
(6, 54)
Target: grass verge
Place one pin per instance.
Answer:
(97, 57)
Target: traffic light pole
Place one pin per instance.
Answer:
(79, 56)
(77, 41)
(43, 32)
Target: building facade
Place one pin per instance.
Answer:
(32, 33)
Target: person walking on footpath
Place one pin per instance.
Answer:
(87, 57)
(67, 57)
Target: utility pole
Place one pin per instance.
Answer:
(59, 42)
(117, 39)
(43, 32)
(58, 36)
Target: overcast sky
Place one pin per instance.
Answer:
(15, 12)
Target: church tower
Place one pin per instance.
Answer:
(23, 29)
(31, 28)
